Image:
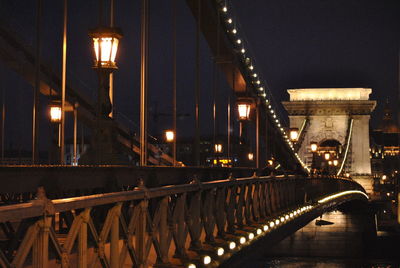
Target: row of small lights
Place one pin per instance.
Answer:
(271, 225)
(257, 80)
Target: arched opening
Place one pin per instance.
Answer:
(326, 159)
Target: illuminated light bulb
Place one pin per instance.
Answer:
(243, 50)
(265, 228)
(271, 224)
(259, 231)
(251, 67)
(287, 217)
(277, 221)
(254, 75)
(191, 265)
(269, 106)
(260, 88)
(242, 240)
(282, 219)
(272, 111)
(251, 236)
(274, 116)
(206, 260)
(225, 9)
(276, 121)
(295, 213)
(229, 20)
(291, 215)
(258, 82)
(234, 31)
(239, 41)
(279, 125)
(232, 245)
(220, 251)
(264, 95)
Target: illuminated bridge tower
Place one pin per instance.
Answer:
(337, 119)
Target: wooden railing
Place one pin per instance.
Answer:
(170, 225)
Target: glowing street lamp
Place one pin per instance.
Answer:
(218, 148)
(250, 156)
(105, 44)
(327, 156)
(104, 41)
(55, 113)
(244, 107)
(314, 146)
(294, 134)
(169, 135)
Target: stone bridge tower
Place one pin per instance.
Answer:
(338, 114)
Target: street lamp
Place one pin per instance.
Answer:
(105, 41)
(294, 134)
(250, 156)
(218, 148)
(314, 146)
(244, 107)
(55, 112)
(169, 135)
(105, 44)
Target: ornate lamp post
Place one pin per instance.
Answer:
(244, 106)
(55, 115)
(105, 45)
(105, 41)
(314, 148)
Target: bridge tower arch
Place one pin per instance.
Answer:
(340, 114)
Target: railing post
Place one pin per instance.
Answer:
(114, 239)
(140, 234)
(163, 232)
(195, 221)
(220, 213)
(40, 250)
(82, 242)
(230, 213)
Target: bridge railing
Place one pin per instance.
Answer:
(148, 226)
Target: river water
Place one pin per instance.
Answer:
(338, 239)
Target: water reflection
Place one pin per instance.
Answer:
(324, 263)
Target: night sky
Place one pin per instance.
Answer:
(296, 44)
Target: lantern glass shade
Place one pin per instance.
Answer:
(218, 148)
(250, 156)
(55, 113)
(169, 135)
(105, 45)
(327, 156)
(335, 162)
(294, 134)
(314, 146)
(244, 111)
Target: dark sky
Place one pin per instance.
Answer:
(325, 43)
(296, 44)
